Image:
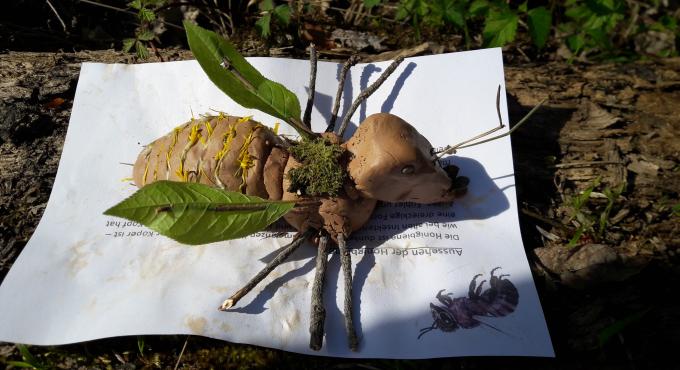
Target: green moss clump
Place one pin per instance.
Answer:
(321, 172)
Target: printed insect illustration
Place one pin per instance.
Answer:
(500, 299)
(223, 177)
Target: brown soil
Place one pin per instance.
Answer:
(616, 124)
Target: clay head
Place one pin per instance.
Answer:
(390, 161)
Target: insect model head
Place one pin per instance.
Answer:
(392, 162)
(444, 320)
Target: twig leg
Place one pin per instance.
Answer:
(307, 118)
(349, 63)
(366, 93)
(318, 312)
(346, 262)
(285, 253)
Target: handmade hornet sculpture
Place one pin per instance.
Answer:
(385, 160)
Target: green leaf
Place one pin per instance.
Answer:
(668, 22)
(241, 81)
(267, 5)
(416, 9)
(604, 7)
(146, 15)
(582, 199)
(455, 18)
(578, 13)
(282, 13)
(576, 43)
(421, 8)
(142, 51)
(140, 344)
(128, 44)
(500, 28)
(368, 4)
(450, 11)
(612, 196)
(402, 12)
(146, 35)
(576, 237)
(523, 7)
(479, 7)
(262, 25)
(676, 209)
(600, 37)
(539, 20)
(29, 361)
(198, 214)
(136, 4)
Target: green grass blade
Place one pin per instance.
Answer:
(617, 327)
(20, 364)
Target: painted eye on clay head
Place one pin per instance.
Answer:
(407, 170)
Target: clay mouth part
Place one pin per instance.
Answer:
(459, 184)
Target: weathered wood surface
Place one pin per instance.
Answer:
(619, 123)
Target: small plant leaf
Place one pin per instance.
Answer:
(420, 8)
(146, 15)
(576, 237)
(282, 13)
(676, 209)
(142, 51)
(128, 44)
(146, 35)
(539, 20)
(263, 24)
(136, 4)
(267, 5)
(140, 345)
(612, 196)
(523, 7)
(244, 84)
(604, 7)
(371, 3)
(198, 214)
(29, 361)
(576, 43)
(500, 28)
(402, 13)
(581, 199)
(478, 7)
(449, 11)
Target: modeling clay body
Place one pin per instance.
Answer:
(386, 159)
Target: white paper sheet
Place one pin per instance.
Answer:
(84, 275)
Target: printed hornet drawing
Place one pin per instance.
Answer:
(499, 300)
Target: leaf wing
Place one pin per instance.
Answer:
(198, 214)
(242, 82)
